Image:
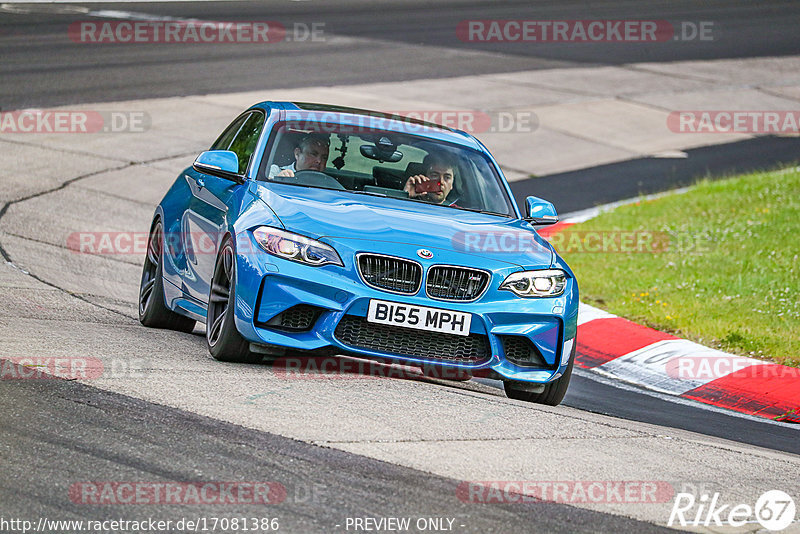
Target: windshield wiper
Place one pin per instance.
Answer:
(371, 193)
(487, 212)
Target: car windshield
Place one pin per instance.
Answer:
(385, 163)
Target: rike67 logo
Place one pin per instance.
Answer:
(774, 510)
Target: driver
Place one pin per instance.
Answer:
(311, 154)
(437, 167)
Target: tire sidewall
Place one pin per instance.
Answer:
(155, 304)
(230, 345)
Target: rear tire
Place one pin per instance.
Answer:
(153, 311)
(224, 341)
(553, 392)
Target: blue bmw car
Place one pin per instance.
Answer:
(320, 229)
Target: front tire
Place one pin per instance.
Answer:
(553, 392)
(153, 311)
(224, 341)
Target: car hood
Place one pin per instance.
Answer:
(331, 216)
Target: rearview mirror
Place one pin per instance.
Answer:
(539, 211)
(222, 163)
(377, 153)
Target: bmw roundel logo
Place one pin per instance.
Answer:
(425, 254)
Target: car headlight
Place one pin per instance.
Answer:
(545, 283)
(296, 247)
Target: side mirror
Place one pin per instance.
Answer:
(222, 163)
(539, 211)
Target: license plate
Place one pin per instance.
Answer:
(419, 317)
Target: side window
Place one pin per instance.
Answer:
(224, 140)
(246, 139)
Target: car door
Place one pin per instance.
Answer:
(206, 219)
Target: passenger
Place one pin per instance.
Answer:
(437, 167)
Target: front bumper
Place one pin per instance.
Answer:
(503, 327)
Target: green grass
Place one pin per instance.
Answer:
(730, 277)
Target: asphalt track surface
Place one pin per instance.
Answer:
(137, 441)
(46, 423)
(364, 41)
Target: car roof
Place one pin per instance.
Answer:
(347, 115)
